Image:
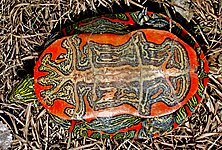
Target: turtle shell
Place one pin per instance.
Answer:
(122, 75)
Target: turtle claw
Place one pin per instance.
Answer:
(142, 16)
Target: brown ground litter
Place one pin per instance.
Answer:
(25, 24)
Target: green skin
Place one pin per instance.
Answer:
(24, 92)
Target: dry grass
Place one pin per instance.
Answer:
(25, 24)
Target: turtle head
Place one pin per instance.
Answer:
(24, 91)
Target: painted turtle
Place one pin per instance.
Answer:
(119, 76)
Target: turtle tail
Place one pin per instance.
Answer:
(24, 91)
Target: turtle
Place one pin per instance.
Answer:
(127, 75)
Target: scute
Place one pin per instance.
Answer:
(120, 82)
